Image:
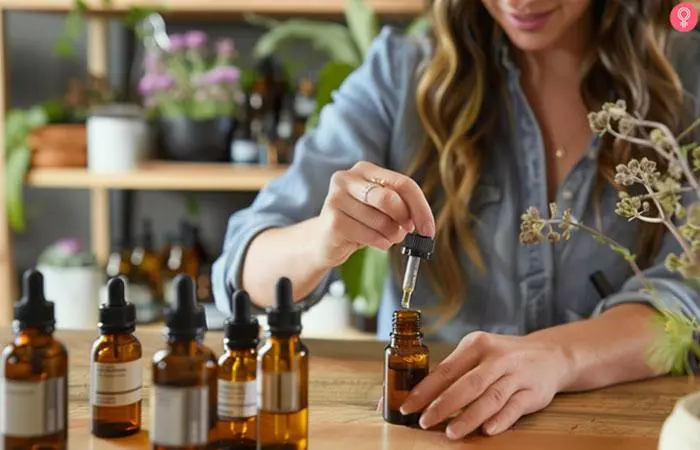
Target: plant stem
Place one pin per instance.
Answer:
(610, 242)
(689, 129)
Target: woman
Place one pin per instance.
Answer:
(454, 138)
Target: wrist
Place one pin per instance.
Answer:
(565, 357)
(312, 250)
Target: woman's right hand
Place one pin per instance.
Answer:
(370, 206)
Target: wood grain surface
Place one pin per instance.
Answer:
(345, 384)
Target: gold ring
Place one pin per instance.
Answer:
(368, 188)
(378, 181)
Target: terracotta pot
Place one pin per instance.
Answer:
(681, 430)
(58, 145)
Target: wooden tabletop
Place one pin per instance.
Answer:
(345, 383)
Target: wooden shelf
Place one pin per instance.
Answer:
(162, 176)
(291, 7)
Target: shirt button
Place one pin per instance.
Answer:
(567, 195)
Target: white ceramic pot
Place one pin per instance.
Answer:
(329, 316)
(75, 293)
(118, 139)
(681, 430)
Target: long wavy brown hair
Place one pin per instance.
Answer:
(627, 60)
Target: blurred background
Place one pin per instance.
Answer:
(134, 129)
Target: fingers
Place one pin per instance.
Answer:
(352, 230)
(371, 217)
(464, 358)
(462, 393)
(381, 198)
(486, 406)
(520, 404)
(408, 190)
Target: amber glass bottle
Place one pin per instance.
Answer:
(180, 399)
(283, 378)
(212, 373)
(34, 376)
(406, 363)
(145, 285)
(237, 386)
(116, 368)
(119, 261)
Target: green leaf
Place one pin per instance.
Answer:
(15, 172)
(330, 78)
(374, 271)
(137, 14)
(191, 205)
(261, 21)
(362, 23)
(82, 7)
(419, 26)
(364, 274)
(351, 273)
(332, 39)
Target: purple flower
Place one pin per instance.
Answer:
(68, 246)
(178, 42)
(152, 62)
(220, 75)
(195, 39)
(155, 82)
(225, 48)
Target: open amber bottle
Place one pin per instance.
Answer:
(237, 386)
(406, 363)
(34, 376)
(116, 368)
(283, 378)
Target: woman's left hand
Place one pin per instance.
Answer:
(490, 381)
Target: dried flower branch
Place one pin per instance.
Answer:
(661, 203)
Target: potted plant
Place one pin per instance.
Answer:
(51, 134)
(193, 94)
(72, 281)
(345, 46)
(659, 203)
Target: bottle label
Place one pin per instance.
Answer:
(32, 408)
(236, 399)
(279, 392)
(179, 415)
(116, 384)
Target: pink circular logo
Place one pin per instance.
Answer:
(684, 17)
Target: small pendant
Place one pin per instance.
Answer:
(560, 153)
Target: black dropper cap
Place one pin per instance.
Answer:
(33, 310)
(117, 315)
(418, 245)
(186, 318)
(241, 330)
(285, 318)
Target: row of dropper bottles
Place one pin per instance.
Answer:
(255, 396)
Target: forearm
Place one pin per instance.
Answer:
(607, 349)
(279, 252)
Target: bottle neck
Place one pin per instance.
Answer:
(406, 328)
(37, 335)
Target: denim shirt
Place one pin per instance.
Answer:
(524, 288)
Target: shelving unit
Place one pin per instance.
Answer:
(154, 176)
(285, 7)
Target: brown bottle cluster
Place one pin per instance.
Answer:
(151, 271)
(406, 363)
(34, 376)
(248, 399)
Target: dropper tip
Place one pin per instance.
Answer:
(241, 306)
(115, 292)
(285, 298)
(33, 285)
